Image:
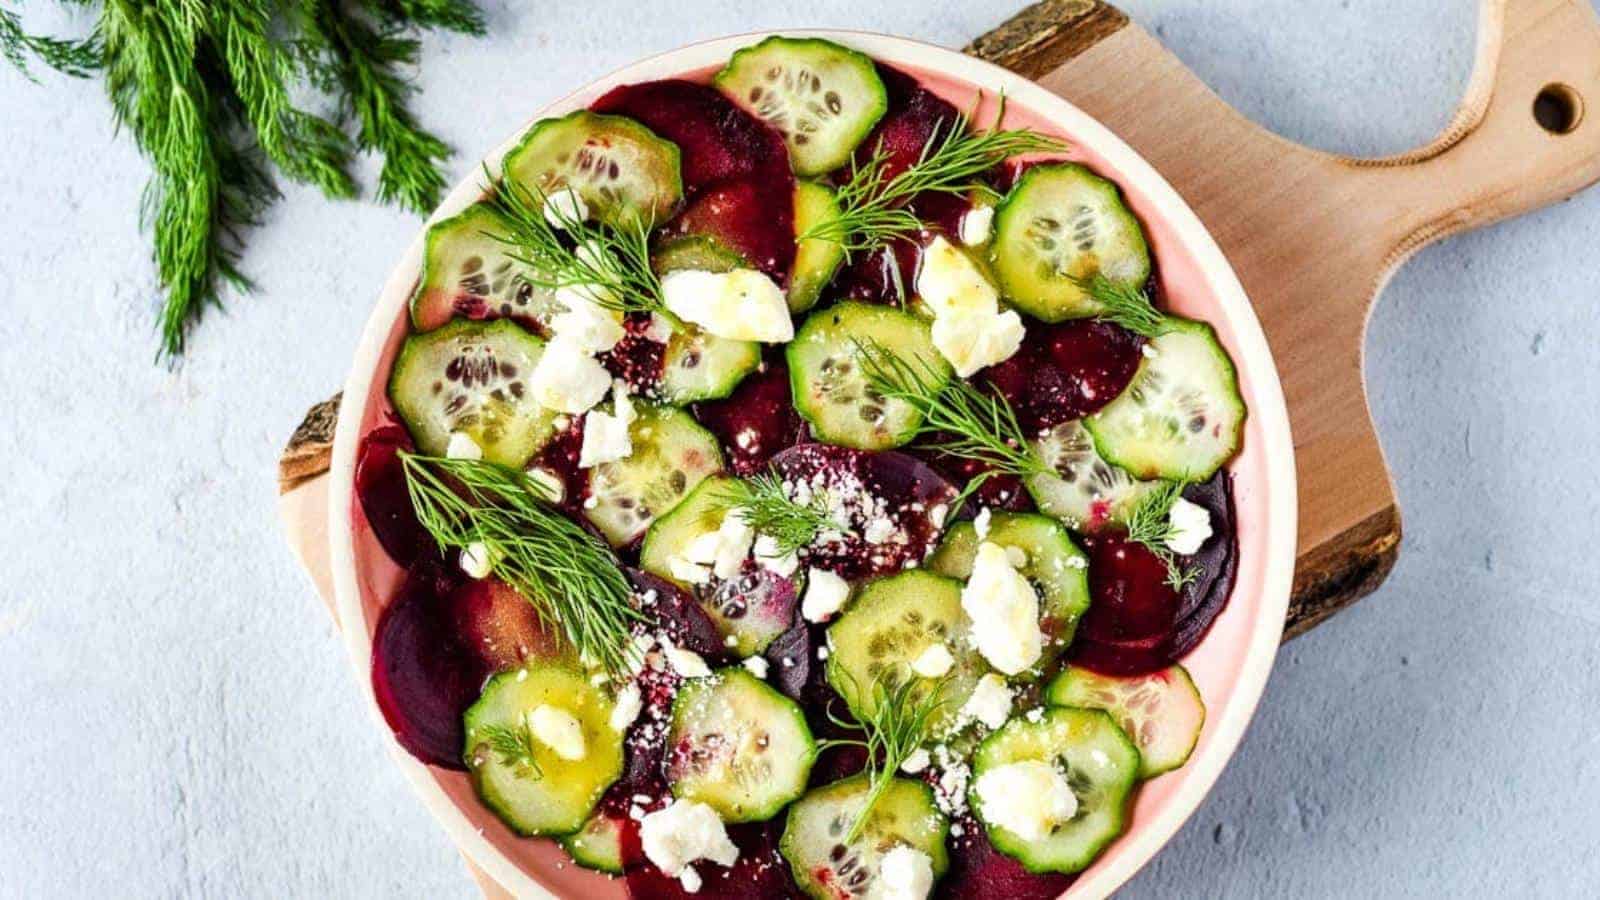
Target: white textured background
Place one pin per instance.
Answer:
(179, 719)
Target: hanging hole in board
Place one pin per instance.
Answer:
(1558, 109)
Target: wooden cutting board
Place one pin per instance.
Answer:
(1313, 237)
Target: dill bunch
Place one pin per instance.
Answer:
(902, 719)
(204, 88)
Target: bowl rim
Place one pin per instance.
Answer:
(1145, 840)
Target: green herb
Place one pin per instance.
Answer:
(1123, 304)
(902, 719)
(208, 91)
(572, 578)
(515, 746)
(1150, 524)
(768, 509)
(610, 262)
(872, 202)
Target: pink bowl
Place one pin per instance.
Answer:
(1230, 666)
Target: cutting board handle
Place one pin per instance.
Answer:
(1523, 136)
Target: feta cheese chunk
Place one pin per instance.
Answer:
(990, 702)
(768, 557)
(952, 284)
(476, 560)
(686, 571)
(681, 833)
(933, 661)
(734, 537)
(605, 435)
(977, 224)
(971, 343)
(585, 322)
(1027, 798)
(567, 379)
(1191, 527)
(1004, 609)
(462, 446)
(630, 702)
(565, 207)
(687, 663)
(825, 595)
(904, 873)
(548, 482)
(559, 730)
(916, 762)
(757, 666)
(741, 305)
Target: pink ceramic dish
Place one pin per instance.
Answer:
(1230, 666)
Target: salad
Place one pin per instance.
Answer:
(803, 491)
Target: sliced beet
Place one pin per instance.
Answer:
(758, 606)
(1066, 371)
(645, 744)
(637, 359)
(789, 660)
(422, 674)
(499, 625)
(1218, 561)
(880, 275)
(673, 611)
(385, 501)
(560, 458)
(998, 491)
(760, 872)
(718, 140)
(1131, 600)
(905, 489)
(753, 217)
(1125, 658)
(980, 872)
(915, 114)
(757, 421)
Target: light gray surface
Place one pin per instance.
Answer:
(180, 719)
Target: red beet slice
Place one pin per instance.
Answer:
(1130, 597)
(789, 660)
(908, 488)
(980, 872)
(759, 605)
(670, 609)
(637, 359)
(423, 676)
(381, 490)
(915, 113)
(718, 140)
(1218, 560)
(760, 872)
(1066, 371)
(1127, 658)
(757, 421)
(753, 217)
(645, 744)
(879, 276)
(499, 625)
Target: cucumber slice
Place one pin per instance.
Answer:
(823, 98)
(1086, 492)
(1058, 570)
(827, 868)
(816, 261)
(738, 746)
(598, 844)
(696, 365)
(831, 391)
(700, 512)
(621, 169)
(671, 455)
(1101, 766)
(471, 377)
(1162, 712)
(1181, 417)
(554, 795)
(467, 272)
(887, 627)
(1061, 222)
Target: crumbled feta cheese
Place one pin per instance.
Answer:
(757, 666)
(564, 208)
(990, 702)
(1027, 798)
(977, 224)
(904, 873)
(825, 595)
(981, 523)
(548, 482)
(973, 342)
(476, 560)
(878, 530)
(916, 762)
(585, 322)
(1004, 609)
(567, 379)
(629, 704)
(688, 572)
(660, 328)
(937, 513)
(559, 730)
(606, 436)
(933, 661)
(687, 663)
(723, 550)
(1191, 527)
(689, 879)
(951, 283)
(741, 305)
(462, 446)
(768, 557)
(682, 832)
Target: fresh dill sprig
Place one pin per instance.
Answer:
(1150, 524)
(769, 510)
(69, 57)
(515, 746)
(611, 263)
(902, 719)
(571, 578)
(962, 419)
(1123, 304)
(872, 202)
